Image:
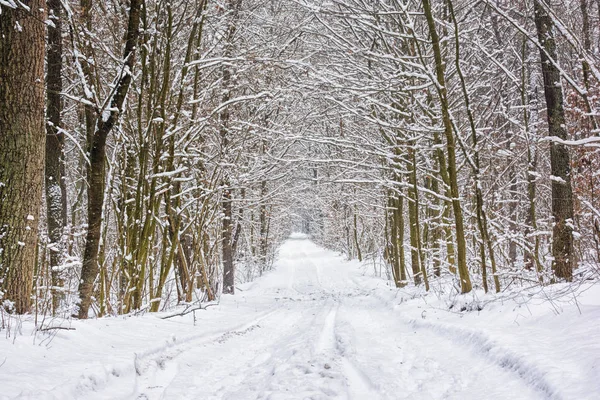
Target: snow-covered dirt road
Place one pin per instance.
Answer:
(314, 328)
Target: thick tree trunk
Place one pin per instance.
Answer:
(22, 141)
(56, 191)
(562, 195)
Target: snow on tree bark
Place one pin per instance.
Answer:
(562, 195)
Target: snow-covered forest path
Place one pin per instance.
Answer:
(318, 334)
(316, 327)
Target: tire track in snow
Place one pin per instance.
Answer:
(151, 365)
(296, 364)
(401, 360)
(482, 345)
(159, 372)
(156, 370)
(332, 345)
(503, 357)
(327, 340)
(359, 384)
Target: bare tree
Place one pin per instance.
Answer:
(562, 193)
(96, 176)
(55, 183)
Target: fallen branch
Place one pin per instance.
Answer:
(51, 328)
(188, 310)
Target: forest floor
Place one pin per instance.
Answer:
(321, 327)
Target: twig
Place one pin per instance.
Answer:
(51, 328)
(187, 311)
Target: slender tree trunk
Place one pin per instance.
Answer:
(90, 266)
(396, 235)
(512, 211)
(447, 206)
(263, 226)
(389, 253)
(529, 104)
(233, 7)
(238, 228)
(562, 195)
(228, 266)
(587, 46)
(400, 237)
(481, 214)
(173, 249)
(414, 240)
(417, 256)
(22, 141)
(56, 196)
(465, 279)
(89, 69)
(355, 228)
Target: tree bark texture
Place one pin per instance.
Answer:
(56, 191)
(560, 162)
(22, 141)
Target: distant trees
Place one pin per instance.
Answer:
(452, 89)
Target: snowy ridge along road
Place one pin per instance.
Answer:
(325, 337)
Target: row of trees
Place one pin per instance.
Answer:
(185, 139)
(159, 171)
(486, 161)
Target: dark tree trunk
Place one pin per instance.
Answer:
(228, 266)
(56, 196)
(90, 266)
(22, 140)
(413, 220)
(233, 7)
(226, 228)
(562, 195)
(88, 69)
(263, 226)
(396, 233)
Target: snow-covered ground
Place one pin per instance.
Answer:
(320, 327)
